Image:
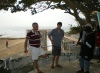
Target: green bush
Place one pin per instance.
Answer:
(74, 30)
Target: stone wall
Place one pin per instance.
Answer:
(18, 65)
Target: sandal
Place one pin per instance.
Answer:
(52, 66)
(58, 66)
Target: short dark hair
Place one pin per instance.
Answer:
(34, 23)
(59, 23)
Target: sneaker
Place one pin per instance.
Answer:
(80, 71)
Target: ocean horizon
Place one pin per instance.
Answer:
(20, 31)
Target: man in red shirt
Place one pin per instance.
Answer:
(6, 43)
(33, 38)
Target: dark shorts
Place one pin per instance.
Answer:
(56, 50)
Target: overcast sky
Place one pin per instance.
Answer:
(46, 18)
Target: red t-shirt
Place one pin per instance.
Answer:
(6, 42)
(34, 38)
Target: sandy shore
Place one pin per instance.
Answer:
(15, 46)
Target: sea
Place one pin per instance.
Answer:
(20, 31)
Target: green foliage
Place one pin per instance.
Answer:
(73, 7)
(74, 30)
(26, 4)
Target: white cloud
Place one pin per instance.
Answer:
(47, 18)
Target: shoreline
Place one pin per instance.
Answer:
(11, 38)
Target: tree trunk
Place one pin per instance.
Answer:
(72, 5)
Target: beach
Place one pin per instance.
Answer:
(16, 38)
(15, 46)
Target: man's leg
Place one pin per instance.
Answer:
(53, 60)
(81, 60)
(81, 63)
(36, 65)
(6, 45)
(86, 66)
(54, 52)
(57, 57)
(35, 54)
(57, 60)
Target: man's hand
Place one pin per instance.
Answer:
(25, 46)
(25, 51)
(77, 44)
(52, 41)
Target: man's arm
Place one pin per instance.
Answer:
(62, 37)
(25, 45)
(78, 39)
(50, 39)
(80, 36)
(50, 36)
(63, 34)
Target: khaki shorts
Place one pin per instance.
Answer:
(36, 52)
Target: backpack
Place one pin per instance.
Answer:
(97, 39)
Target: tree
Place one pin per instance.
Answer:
(74, 30)
(73, 7)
